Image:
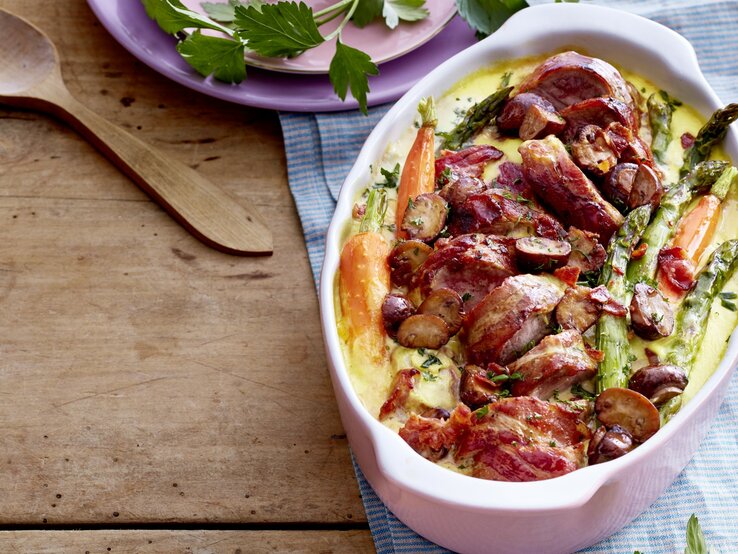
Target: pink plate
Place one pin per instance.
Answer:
(379, 41)
(127, 21)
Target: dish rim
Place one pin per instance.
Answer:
(397, 462)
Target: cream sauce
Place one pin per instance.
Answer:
(373, 384)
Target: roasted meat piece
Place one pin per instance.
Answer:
(569, 78)
(581, 307)
(676, 270)
(511, 179)
(402, 385)
(511, 318)
(592, 150)
(501, 212)
(469, 161)
(523, 439)
(472, 265)
(600, 112)
(628, 145)
(562, 186)
(555, 363)
(587, 254)
(512, 115)
(433, 437)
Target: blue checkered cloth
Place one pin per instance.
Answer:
(321, 148)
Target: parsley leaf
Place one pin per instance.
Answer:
(366, 12)
(220, 57)
(405, 10)
(226, 12)
(431, 360)
(173, 16)
(349, 69)
(486, 16)
(428, 376)
(695, 539)
(581, 392)
(390, 178)
(280, 30)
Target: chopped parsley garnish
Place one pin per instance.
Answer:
(728, 305)
(481, 412)
(728, 295)
(390, 178)
(502, 377)
(430, 360)
(581, 392)
(466, 296)
(428, 376)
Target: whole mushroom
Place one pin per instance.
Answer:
(659, 383)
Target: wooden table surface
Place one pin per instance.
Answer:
(157, 395)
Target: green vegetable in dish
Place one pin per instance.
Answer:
(691, 323)
(660, 109)
(709, 135)
(665, 220)
(612, 331)
(476, 118)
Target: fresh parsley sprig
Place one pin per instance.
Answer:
(286, 28)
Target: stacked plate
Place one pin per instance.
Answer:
(404, 55)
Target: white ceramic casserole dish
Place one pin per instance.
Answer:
(578, 509)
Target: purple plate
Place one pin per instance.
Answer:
(127, 21)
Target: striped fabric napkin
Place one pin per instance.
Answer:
(321, 149)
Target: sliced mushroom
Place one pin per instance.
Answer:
(618, 185)
(423, 331)
(608, 444)
(405, 259)
(651, 315)
(631, 410)
(513, 113)
(425, 217)
(659, 383)
(540, 122)
(395, 309)
(476, 388)
(446, 304)
(541, 254)
(647, 188)
(592, 151)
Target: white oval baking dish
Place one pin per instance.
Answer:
(576, 510)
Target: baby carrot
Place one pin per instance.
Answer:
(363, 282)
(696, 230)
(419, 173)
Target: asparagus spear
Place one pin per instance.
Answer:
(661, 229)
(477, 117)
(691, 321)
(660, 108)
(711, 133)
(612, 332)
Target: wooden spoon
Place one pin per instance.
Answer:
(30, 78)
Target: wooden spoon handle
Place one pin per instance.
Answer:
(204, 209)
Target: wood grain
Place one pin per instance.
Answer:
(194, 542)
(145, 377)
(30, 78)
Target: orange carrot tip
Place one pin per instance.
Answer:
(427, 111)
(724, 183)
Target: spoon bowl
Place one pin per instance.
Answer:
(30, 78)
